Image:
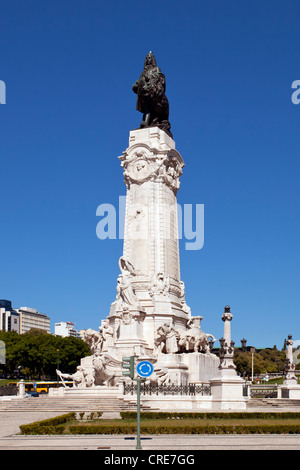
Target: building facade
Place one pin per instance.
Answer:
(66, 328)
(21, 319)
(9, 318)
(31, 318)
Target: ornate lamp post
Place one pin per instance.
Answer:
(243, 343)
(57, 366)
(227, 345)
(227, 388)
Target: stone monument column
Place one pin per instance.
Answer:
(227, 387)
(149, 318)
(152, 168)
(290, 387)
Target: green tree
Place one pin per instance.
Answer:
(38, 353)
(264, 360)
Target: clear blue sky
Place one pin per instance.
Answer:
(68, 68)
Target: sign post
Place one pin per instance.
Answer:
(144, 369)
(138, 433)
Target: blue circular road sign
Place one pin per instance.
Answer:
(144, 369)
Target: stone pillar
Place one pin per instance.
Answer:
(227, 387)
(21, 388)
(289, 388)
(290, 377)
(152, 167)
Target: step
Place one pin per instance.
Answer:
(272, 402)
(69, 404)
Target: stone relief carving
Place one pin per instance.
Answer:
(126, 317)
(168, 340)
(159, 285)
(159, 376)
(170, 172)
(140, 168)
(142, 164)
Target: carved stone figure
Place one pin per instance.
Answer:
(94, 339)
(195, 339)
(151, 99)
(160, 285)
(99, 369)
(166, 339)
(105, 368)
(125, 293)
(78, 377)
(107, 333)
(160, 340)
(185, 307)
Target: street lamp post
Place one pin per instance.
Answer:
(252, 350)
(57, 366)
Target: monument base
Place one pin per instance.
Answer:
(289, 389)
(202, 367)
(227, 391)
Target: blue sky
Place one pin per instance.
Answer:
(68, 67)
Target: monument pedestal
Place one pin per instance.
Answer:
(289, 391)
(290, 387)
(227, 386)
(227, 391)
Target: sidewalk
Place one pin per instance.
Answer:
(152, 443)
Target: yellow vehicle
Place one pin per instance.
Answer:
(43, 387)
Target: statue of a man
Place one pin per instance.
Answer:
(151, 99)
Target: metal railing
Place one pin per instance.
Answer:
(169, 389)
(260, 391)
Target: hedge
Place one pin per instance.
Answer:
(48, 426)
(188, 429)
(58, 424)
(103, 429)
(208, 415)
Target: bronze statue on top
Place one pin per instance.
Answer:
(151, 99)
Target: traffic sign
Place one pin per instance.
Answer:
(144, 369)
(128, 366)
